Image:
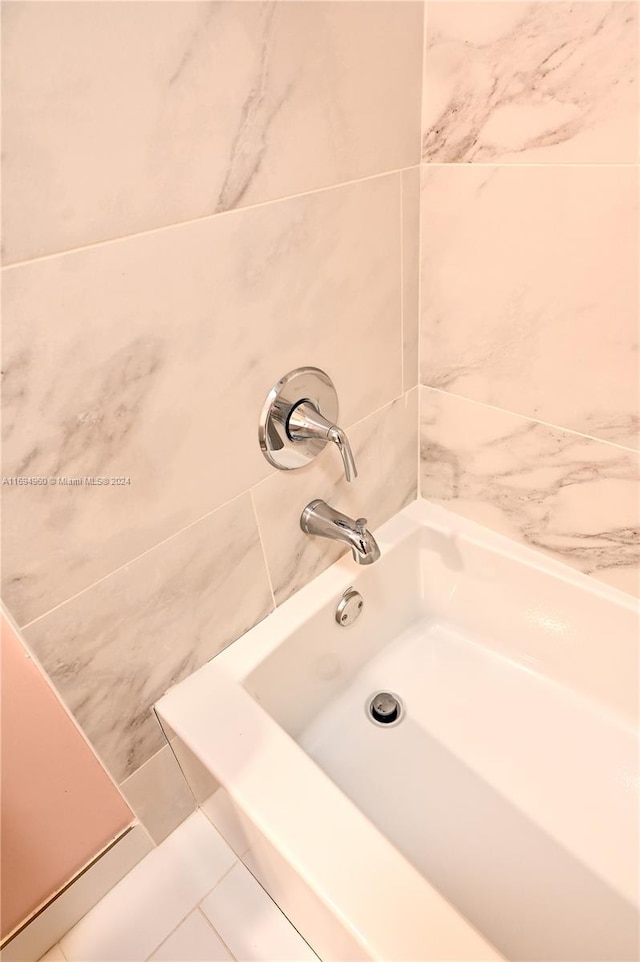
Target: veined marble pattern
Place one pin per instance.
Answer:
(113, 650)
(410, 275)
(385, 447)
(574, 497)
(531, 82)
(530, 293)
(150, 359)
(147, 114)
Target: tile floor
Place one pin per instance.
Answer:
(189, 900)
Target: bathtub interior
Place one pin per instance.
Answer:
(502, 808)
(511, 781)
(436, 568)
(317, 660)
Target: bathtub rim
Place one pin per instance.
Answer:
(238, 662)
(390, 920)
(214, 698)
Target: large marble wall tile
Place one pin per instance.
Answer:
(530, 293)
(120, 117)
(531, 82)
(114, 649)
(385, 446)
(573, 497)
(410, 274)
(159, 794)
(150, 359)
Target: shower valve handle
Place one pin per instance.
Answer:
(306, 423)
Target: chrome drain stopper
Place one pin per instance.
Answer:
(385, 708)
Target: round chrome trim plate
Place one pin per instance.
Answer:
(349, 608)
(303, 384)
(388, 703)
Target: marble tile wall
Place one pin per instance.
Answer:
(198, 198)
(147, 114)
(529, 275)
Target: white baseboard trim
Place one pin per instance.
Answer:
(85, 890)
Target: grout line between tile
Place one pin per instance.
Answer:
(425, 27)
(214, 929)
(196, 907)
(423, 71)
(527, 417)
(193, 220)
(262, 546)
(286, 197)
(168, 744)
(137, 558)
(193, 909)
(378, 410)
(401, 179)
(180, 531)
(419, 483)
(214, 887)
(462, 164)
(353, 424)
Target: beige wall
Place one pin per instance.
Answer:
(529, 293)
(58, 805)
(198, 198)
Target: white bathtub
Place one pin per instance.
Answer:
(498, 819)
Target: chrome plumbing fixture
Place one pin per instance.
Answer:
(299, 418)
(349, 608)
(319, 518)
(385, 708)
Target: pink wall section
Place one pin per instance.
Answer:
(58, 805)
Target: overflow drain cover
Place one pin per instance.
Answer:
(384, 708)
